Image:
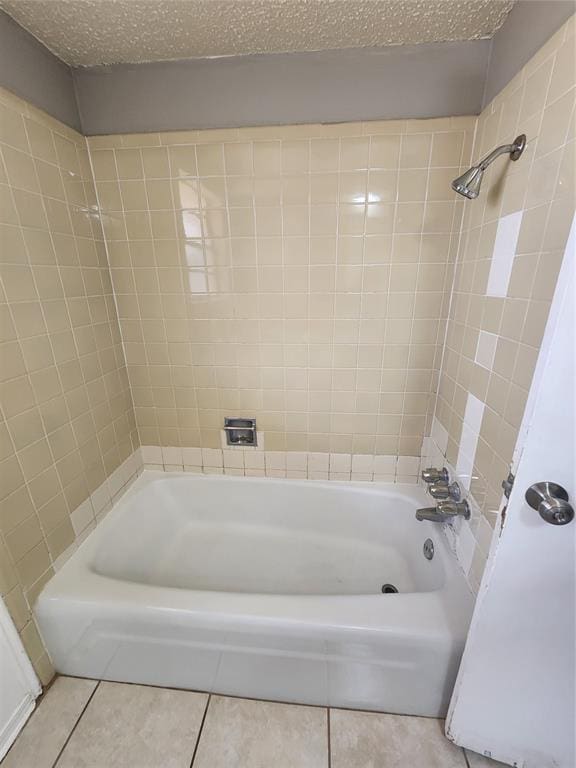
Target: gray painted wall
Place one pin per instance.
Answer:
(529, 25)
(28, 69)
(328, 86)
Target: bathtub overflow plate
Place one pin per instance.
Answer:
(428, 549)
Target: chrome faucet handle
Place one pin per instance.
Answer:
(433, 475)
(449, 509)
(445, 491)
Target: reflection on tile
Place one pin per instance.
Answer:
(479, 761)
(256, 734)
(134, 725)
(371, 740)
(46, 732)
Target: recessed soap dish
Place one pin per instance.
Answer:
(240, 431)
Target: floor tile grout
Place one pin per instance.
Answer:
(287, 702)
(203, 691)
(80, 716)
(200, 731)
(328, 734)
(55, 762)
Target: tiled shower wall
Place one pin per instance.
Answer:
(67, 422)
(297, 274)
(513, 240)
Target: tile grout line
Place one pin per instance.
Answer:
(245, 698)
(85, 707)
(199, 736)
(465, 764)
(328, 735)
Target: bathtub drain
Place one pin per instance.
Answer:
(389, 589)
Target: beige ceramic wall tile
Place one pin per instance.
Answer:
(67, 419)
(540, 187)
(295, 274)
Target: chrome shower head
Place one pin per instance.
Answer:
(468, 185)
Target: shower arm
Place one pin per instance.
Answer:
(514, 150)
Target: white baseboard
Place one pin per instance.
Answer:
(18, 720)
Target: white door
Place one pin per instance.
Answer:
(19, 686)
(514, 696)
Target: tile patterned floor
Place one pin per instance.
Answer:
(91, 724)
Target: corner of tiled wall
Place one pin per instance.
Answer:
(67, 426)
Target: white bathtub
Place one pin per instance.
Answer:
(264, 588)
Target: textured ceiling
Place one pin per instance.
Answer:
(90, 32)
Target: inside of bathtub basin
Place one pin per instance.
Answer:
(252, 537)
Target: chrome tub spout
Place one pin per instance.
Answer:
(444, 511)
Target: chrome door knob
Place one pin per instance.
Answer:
(550, 500)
